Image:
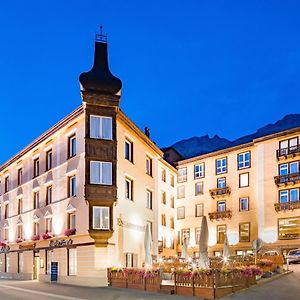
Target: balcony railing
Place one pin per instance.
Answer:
(286, 206)
(220, 191)
(293, 150)
(220, 215)
(289, 178)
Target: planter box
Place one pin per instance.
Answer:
(136, 286)
(119, 283)
(184, 290)
(152, 287)
(206, 293)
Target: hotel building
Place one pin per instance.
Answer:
(82, 194)
(249, 191)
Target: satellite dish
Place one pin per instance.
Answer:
(257, 244)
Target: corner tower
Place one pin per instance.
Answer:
(100, 91)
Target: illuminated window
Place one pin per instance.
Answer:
(199, 188)
(221, 183)
(244, 204)
(149, 199)
(185, 233)
(20, 206)
(72, 186)
(182, 175)
(221, 206)
(36, 199)
(244, 180)
(101, 217)
(289, 228)
(148, 165)
(20, 176)
(180, 212)
(180, 191)
(36, 167)
(221, 232)
(48, 194)
(163, 198)
(163, 220)
(72, 261)
(128, 189)
(72, 220)
(244, 232)
(199, 210)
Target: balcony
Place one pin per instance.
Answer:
(285, 152)
(217, 215)
(220, 192)
(286, 206)
(288, 178)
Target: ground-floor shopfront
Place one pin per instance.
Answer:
(77, 261)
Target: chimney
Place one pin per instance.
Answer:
(147, 132)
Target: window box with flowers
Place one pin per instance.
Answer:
(3, 244)
(19, 240)
(70, 231)
(47, 235)
(35, 237)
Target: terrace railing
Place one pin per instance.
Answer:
(284, 152)
(288, 178)
(286, 206)
(220, 192)
(217, 215)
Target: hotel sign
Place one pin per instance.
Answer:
(27, 247)
(130, 225)
(60, 243)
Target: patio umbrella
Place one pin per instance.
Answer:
(203, 245)
(226, 249)
(184, 251)
(148, 246)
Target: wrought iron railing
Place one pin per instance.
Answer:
(292, 150)
(220, 215)
(288, 178)
(220, 191)
(286, 206)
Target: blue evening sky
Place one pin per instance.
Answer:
(188, 67)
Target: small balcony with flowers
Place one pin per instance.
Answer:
(288, 148)
(289, 174)
(221, 190)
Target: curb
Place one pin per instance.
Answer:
(265, 280)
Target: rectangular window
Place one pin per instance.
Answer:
(101, 172)
(6, 211)
(289, 168)
(20, 231)
(197, 235)
(20, 176)
(36, 167)
(163, 220)
(294, 195)
(244, 180)
(101, 127)
(288, 146)
(49, 160)
(172, 181)
(221, 165)
(180, 212)
(6, 184)
(20, 206)
(289, 228)
(199, 171)
(72, 186)
(291, 195)
(101, 217)
(163, 175)
(72, 146)
(20, 262)
(283, 169)
(182, 175)
(128, 150)
(244, 160)
(129, 260)
(180, 191)
(172, 223)
(221, 183)
(199, 188)
(244, 232)
(294, 167)
(148, 165)
(172, 202)
(48, 194)
(163, 198)
(221, 232)
(284, 196)
(185, 233)
(221, 206)
(49, 254)
(72, 220)
(128, 189)
(36, 228)
(149, 199)
(72, 262)
(36, 200)
(199, 210)
(244, 204)
(48, 225)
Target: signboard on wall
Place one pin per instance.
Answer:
(54, 271)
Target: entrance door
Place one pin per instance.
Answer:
(36, 266)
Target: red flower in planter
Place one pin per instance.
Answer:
(35, 237)
(70, 231)
(19, 240)
(3, 244)
(47, 235)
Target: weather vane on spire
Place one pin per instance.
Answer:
(101, 37)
